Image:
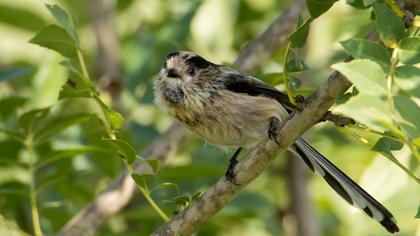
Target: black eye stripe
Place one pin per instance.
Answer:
(198, 62)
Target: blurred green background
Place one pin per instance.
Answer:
(142, 33)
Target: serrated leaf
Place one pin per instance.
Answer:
(28, 119)
(59, 124)
(409, 52)
(366, 109)
(366, 75)
(76, 86)
(365, 49)
(407, 78)
(61, 16)
(298, 38)
(56, 38)
(390, 26)
(143, 180)
(318, 7)
(12, 73)
(123, 148)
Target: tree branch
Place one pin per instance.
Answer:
(118, 194)
(221, 193)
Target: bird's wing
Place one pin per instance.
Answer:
(239, 83)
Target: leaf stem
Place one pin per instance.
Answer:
(286, 74)
(395, 8)
(32, 188)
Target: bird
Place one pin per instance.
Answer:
(231, 109)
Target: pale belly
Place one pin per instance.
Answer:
(237, 121)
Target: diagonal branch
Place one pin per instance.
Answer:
(119, 193)
(221, 193)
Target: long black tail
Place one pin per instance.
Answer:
(345, 186)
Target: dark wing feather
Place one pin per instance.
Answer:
(345, 186)
(240, 83)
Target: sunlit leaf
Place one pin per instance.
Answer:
(57, 39)
(410, 112)
(407, 78)
(64, 20)
(365, 49)
(168, 185)
(123, 148)
(390, 25)
(409, 52)
(21, 18)
(273, 78)
(366, 75)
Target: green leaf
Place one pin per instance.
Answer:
(196, 196)
(365, 49)
(366, 75)
(154, 163)
(410, 112)
(57, 39)
(386, 145)
(75, 87)
(14, 135)
(359, 4)
(21, 18)
(115, 118)
(12, 73)
(182, 201)
(318, 7)
(67, 153)
(298, 38)
(409, 52)
(273, 78)
(296, 65)
(368, 110)
(123, 148)
(390, 25)
(9, 104)
(143, 180)
(64, 20)
(59, 124)
(418, 212)
(29, 119)
(294, 83)
(407, 78)
(168, 185)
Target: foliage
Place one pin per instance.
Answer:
(62, 139)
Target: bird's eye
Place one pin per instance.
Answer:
(191, 71)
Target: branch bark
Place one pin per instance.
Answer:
(119, 193)
(221, 193)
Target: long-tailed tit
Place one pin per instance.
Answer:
(233, 110)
